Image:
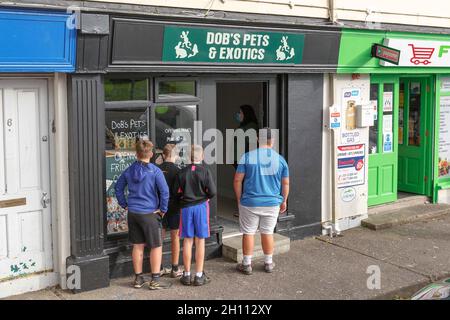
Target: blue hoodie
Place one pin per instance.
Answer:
(146, 183)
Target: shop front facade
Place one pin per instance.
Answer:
(37, 51)
(403, 80)
(161, 78)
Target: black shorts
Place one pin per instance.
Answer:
(171, 220)
(145, 228)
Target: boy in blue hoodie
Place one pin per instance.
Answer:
(148, 197)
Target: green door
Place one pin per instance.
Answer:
(383, 150)
(413, 134)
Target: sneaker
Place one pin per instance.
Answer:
(245, 269)
(268, 267)
(200, 281)
(140, 281)
(159, 284)
(186, 280)
(164, 271)
(176, 274)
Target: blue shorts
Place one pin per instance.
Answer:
(194, 221)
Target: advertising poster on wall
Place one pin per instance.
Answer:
(351, 97)
(350, 165)
(444, 138)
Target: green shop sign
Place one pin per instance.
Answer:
(189, 44)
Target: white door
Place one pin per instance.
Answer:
(25, 210)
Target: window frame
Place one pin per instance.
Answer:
(149, 104)
(158, 80)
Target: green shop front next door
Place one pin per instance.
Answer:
(383, 151)
(400, 140)
(414, 143)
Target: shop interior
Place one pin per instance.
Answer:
(230, 96)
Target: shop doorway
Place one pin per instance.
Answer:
(414, 138)
(230, 96)
(400, 141)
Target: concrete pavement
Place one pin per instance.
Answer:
(409, 256)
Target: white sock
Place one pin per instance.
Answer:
(247, 260)
(199, 274)
(187, 273)
(267, 258)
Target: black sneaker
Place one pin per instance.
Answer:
(140, 281)
(200, 281)
(186, 280)
(158, 284)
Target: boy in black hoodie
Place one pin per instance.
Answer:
(171, 220)
(194, 187)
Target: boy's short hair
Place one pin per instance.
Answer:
(196, 153)
(169, 150)
(265, 134)
(144, 148)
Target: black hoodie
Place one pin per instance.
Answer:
(194, 185)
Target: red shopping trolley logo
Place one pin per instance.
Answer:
(421, 54)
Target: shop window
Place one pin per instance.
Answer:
(414, 114)
(123, 128)
(388, 114)
(373, 130)
(175, 124)
(126, 89)
(401, 114)
(176, 90)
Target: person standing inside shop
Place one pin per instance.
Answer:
(195, 186)
(261, 185)
(247, 120)
(147, 202)
(171, 220)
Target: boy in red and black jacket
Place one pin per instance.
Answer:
(194, 186)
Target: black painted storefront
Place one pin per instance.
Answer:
(130, 47)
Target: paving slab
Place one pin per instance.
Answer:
(405, 215)
(232, 247)
(47, 294)
(421, 247)
(311, 270)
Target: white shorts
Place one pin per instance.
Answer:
(250, 218)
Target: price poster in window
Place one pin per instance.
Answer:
(444, 137)
(388, 101)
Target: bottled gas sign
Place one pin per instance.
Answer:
(419, 53)
(188, 44)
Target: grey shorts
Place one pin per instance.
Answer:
(250, 218)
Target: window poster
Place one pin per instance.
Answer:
(444, 137)
(388, 101)
(123, 128)
(175, 125)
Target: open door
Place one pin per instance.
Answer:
(414, 135)
(383, 139)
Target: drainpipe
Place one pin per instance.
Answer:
(332, 11)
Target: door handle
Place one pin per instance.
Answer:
(45, 200)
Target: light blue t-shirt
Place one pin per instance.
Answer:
(264, 169)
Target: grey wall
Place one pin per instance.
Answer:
(86, 144)
(304, 125)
